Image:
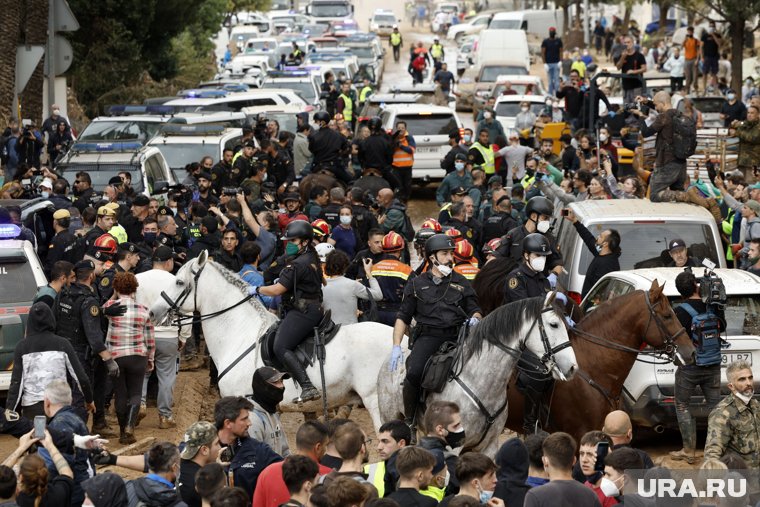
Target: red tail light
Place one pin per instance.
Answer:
(575, 297)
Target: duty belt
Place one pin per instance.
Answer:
(442, 332)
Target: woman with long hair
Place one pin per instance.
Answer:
(131, 342)
(36, 488)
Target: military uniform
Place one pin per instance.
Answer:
(734, 426)
(92, 235)
(497, 225)
(440, 307)
(392, 276)
(105, 282)
(219, 176)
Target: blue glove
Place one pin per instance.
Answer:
(552, 280)
(570, 322)
(396, 357)
(474, 321)
(561, 297)
(253, 290)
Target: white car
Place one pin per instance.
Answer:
(507, 107)
(237, 101)
(648, 393)
(470, 27)
(382, 22)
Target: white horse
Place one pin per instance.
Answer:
(353, 357)
(489, 355)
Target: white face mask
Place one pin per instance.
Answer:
(524, 109)
(609, 488)
(44, 194)
(445, 269)
(345, 219)
(603, 138)
(487, 115)
(56, 112)
(467, 138)
(543, 226)
(538, 263)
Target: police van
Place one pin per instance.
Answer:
(182, 144)
(648, 392)
(20, 276)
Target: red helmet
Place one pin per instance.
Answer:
(393, 242)
(321, 228)
(491, 247)
(106, 244)
(463, 250)
(431, 223)
(454, 234)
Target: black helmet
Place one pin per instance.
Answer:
(322, 116)
(298, 229)
(536, 243)
(540, 205)
(422, 235)
(438, 242)
(375, 123)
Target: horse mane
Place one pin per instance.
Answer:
(242, 286)
(503, 323)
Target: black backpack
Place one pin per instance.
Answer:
(684, 136)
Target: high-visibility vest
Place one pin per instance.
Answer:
(402, 158)
(348, 107)
(434, 492)
(436, 51)
(467, 270)
(489, 164)
(376, 476)
(395, 38)
(364, 93)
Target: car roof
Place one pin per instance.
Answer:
(148, 118)
(736, 281)
(418, 108)
(521, 98)
(517, 78)
(500, 61)
(14, 244)
(628, 210)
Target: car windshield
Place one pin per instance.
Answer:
(708, 105)
(387, 19)
(101, 173)
(504, 24)
(178, 155)
(742, 314)
(510, 109)
(279, 5)
(107, 130)
(645, 245)
(520, 88)
(17, 280)
(258, 46)
(428, 124)
(336, 10)
(364, 53)
(491, 73)
(314, 30)
(287, 121)
(304, 89)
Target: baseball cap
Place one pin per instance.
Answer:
(552, 29)
(197, 435)
(494, 179)
(675, 244)
(755, 186)
(210, 224)
(458, 191)
(141, 200)
(249, 144)
(270, 374)
(165, 210)
(460, 156)
(753, 205)
(105, 489)
(47, 183)
(112, 205)
(104, 211)
(205, 175)
(163, 253)
(84, 265)
(61, 213)
(115, 180)
(292, 196)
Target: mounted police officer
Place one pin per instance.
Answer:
(539, 212)
(527, 280)
(440, 300)
(300, 284)
(329, 148)
(78, 319)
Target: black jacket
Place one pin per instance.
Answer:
(601, 265)
(512, 459)
(152, 493)
(376, 151)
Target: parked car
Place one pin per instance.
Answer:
(507, 107)
(470, 27)
(481, 80)
(648, 393)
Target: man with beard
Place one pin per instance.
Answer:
(221, 171)
(351, 443)
(206, 196)
(268, 391)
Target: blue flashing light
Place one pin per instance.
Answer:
(202, 94)
(9, 231)
(107, 147)
(162, 110)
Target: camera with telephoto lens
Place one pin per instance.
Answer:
(712, 291)
(231, 191)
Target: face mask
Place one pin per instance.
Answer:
(174, 210)
(609, 488)
(524, 109)
(345, 220)
(45, 195)
(485, 496)
(56, 112)
(459, 166)
(455, 440)
(543, 226)
(603, 138)
(746, 399)
(150, 237)
(487, 115)
(291, 249)
(731, 96)
(316, 127)
(538, 263)
(265, 177)
(467, 138)
(445, 269)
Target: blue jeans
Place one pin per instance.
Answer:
(553, 76)
(707, 378)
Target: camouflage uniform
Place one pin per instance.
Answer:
(734, 426)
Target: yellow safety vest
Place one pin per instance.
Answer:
(118, 232)
(436, 51)
(348, 107)
(376, 475)
(395, 38)
(366, 92)
(434, 492)
(489, 165)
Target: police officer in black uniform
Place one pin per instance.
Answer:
(300, 284)
(78, 316)
(242, 168)
(63, 247)
(527, 280)
(501, 221)
(376, 151)
(329, 148)
(440, 300)
(127, 258)
(539, 211)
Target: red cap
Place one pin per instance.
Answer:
(552, 29)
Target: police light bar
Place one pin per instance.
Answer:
(112, 147)
(288, 73)
(181, 129)
(202, 94)
(133, 109)
(231, 87)
(9, 231)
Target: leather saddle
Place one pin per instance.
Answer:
(306, 351)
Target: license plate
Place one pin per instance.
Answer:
(427, 149)
(729, 357)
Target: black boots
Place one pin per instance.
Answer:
(411, 397)
(127, 425)
(308, 391)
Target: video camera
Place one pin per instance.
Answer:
(232, 191)
(712, 291)
(644, 108)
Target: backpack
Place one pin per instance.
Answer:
(705, 333)
(408, 229)
(684, 136)
(418, 64)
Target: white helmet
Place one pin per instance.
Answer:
(323, 250)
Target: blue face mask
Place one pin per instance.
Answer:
(459, 166)
(467, 138)
(485, 496)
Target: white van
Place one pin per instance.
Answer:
(645, 229)
(500, 45)
(536, 21)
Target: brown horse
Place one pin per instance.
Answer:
(606, 344)
(323, 178)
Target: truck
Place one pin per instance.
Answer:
(324, 12)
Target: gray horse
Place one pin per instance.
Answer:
(489, 355)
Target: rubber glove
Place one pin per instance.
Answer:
(552, 280)
(396, 357)
(253, 290)
(474, 321)
(561, 297)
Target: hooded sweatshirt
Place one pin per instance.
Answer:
(512, 459)
(106, 490)
(153, 491)
(265, 421)
(41, 357)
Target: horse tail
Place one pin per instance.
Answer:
(489, 283)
